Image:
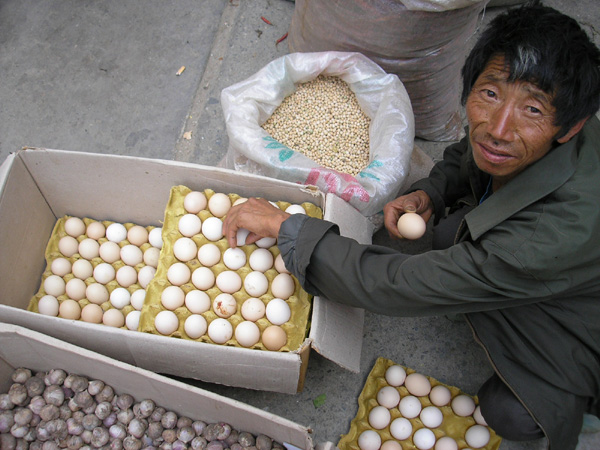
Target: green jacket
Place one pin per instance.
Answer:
(525, 268)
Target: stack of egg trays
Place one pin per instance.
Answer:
(299, 302)
(452, 425)
(53, 252)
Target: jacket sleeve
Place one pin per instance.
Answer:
(447, 181)
(385, 281)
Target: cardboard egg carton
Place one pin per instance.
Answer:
(39, 186)
(452, 426)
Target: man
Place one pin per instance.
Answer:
(516, 208)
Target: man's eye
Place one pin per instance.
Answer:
(490, 93)
(534, 110)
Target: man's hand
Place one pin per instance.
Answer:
(415, 202)
(256, 215)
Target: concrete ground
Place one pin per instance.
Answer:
(101, 77)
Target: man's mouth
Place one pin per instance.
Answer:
(493, 154)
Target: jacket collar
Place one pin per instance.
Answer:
(535, 182)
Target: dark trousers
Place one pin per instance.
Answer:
(500, 408)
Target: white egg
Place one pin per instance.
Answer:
(178, 274)
(137, 298)
(220, 330)
(219, 204)
(61, 267)
(379, 417)
(417, 384)
(234, 258)
(256, 284)
(120, 297)
(126, 276)
(151, 256)
(440, 395)
(48, 305)
(411, 226)
(477, 436)
(82, 269)
(446, 443)
(409, 406)
(54, 285)
(295, 209)
(132, 320)
(95, 230)
(137, 235)
(283, 286)
(424, 439)
(89, 248)
(478, 416)
(68, 246)
(97, 293)
(261, 259)
(203, 278)
(75, 289)
(131, 254)
(197, 301)
(212, 229)
(229, 281)
(116, 232)
(463, 405)
(195, 326)
(280, 265)
(247, 333)
(185, 249)
(69, 309)
(241, 236)
(155, 237)
(388, 396)
(369, 440)
(431, 416)
(145, 276)
(209, 255)
(166, 322)
(239, 201)
(74, 226)
(172, 297)
(110, 252)
(189, 225)
(401, 428)
(253, 309)
(266, 242)
(224, 305)
(194, 202)
(278, 311)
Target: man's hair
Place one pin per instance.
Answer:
(547, 48)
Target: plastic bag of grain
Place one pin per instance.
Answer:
(424, 42)
(382, 97)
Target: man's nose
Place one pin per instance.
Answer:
(501, 123)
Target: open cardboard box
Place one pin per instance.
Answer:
(26, 348)
(38, 186)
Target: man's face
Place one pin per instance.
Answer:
(511, 124)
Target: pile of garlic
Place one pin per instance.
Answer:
(53, 410)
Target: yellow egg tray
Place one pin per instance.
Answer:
(452, 425)
(300, 301)
(52, 253)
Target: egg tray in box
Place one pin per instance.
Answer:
(452, 425)
(296, 327)
(53, 252)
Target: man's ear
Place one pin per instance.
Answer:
(573, 131)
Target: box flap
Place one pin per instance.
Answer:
(26, 348)
(336, 329)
